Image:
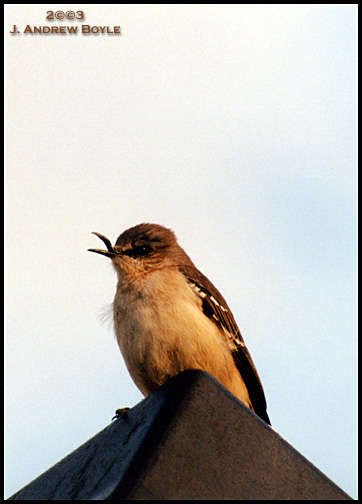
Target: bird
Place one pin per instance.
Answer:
(168, 317)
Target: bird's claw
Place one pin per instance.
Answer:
(120, 413)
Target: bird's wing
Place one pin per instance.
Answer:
(217, 310)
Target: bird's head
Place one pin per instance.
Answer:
(142, 248)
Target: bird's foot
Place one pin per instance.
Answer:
(120, 413)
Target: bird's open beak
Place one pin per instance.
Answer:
(110, 252)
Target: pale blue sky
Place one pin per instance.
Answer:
(233, 125)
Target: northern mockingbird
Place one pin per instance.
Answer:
(169, 317)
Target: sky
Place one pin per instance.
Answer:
(234, 125)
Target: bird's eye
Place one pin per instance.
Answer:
(138, 251)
